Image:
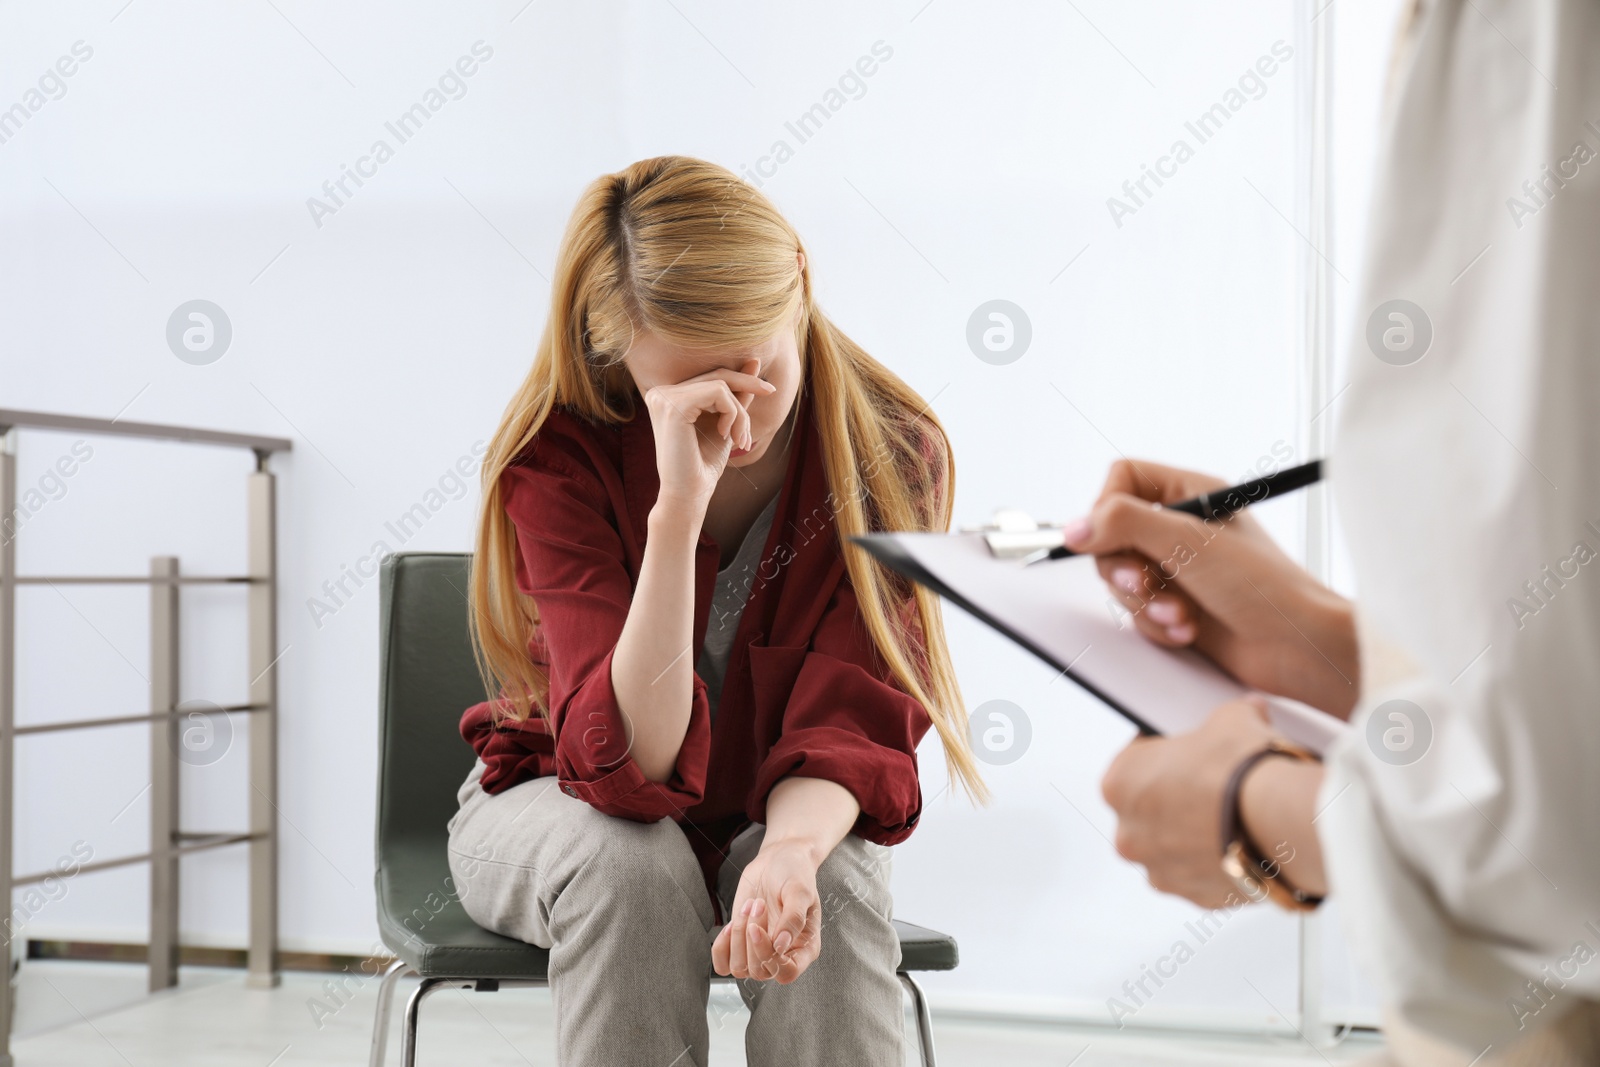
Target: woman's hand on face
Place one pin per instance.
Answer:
(776, 926)
(697, 423)
(1224, 588)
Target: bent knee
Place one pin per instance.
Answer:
(633, 863)
(558, 840)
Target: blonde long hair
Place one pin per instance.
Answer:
(685, 249)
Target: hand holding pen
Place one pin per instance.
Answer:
(1218, 504)
(1224, 588)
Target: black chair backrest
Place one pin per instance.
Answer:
(427, 678)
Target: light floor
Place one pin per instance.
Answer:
(76, 1014)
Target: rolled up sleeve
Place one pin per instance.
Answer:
(571, 562)
(844, 720)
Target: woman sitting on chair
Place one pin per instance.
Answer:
(709, 710)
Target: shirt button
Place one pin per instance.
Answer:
(569, 790)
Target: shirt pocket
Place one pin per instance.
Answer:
(773, 672)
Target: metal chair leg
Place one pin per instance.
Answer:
(380, 1025)
(408, 1034)
(924, 1022)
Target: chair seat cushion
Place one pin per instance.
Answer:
(423, 923)
(922, 949)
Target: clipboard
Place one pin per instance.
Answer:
(1062, 612)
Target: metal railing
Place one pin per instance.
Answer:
(168, 842)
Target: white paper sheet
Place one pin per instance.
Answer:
(1063, 612)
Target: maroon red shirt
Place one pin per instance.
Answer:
(806, 692)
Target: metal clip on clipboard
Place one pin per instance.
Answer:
(1013, 534)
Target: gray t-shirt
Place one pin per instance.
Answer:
(727, 605)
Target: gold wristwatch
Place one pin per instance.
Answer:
(1258, 877)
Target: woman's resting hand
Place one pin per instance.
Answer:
(776, 919)
(776, 930)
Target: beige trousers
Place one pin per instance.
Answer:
(1570, 1040)
(624, 911)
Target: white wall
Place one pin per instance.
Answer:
(974, 164)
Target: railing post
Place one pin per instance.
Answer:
(164, 768)
(166, 843)
(8, 663)
(263, 569)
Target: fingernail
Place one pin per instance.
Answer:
(747, 906)
(1076, 532)
(1181, 634)
(1126, 579)
(781, 943)
(1164, 612)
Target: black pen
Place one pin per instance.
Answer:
(1222, 504)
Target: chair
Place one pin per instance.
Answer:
(427, 678)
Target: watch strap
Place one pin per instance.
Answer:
(1236, 843)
